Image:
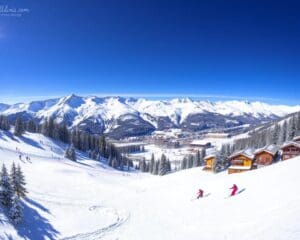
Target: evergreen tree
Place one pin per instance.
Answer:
(203, 154)
(19, 127)
(115, 163)
(102, 145)
(292, 128)
(110, 159)
(70, 153)
(45, 128)
(284, 132)
(31, 126)
(143, 166)
(169, 168)
(6, 191)
(275, 134)
(163, 165)
(16, 210)
(184, 163)
(298, 124)
(190, 161)
(18, 181)
(151, 165)
(63, 133)
(197, 159)
(156, 168)
(4, 123)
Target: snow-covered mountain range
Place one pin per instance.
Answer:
(121, 117)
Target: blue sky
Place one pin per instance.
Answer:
(202, 49)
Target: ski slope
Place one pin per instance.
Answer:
(88, 200)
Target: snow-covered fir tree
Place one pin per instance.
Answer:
(151, 165)
(184, 163)
(4, 123)
(19, 127)
(70, 153)
(16, 210)
(31, 126)
(18, 181)
(163, 165)
(6, 191)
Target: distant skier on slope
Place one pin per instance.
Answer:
(200, 193)
(234, 190)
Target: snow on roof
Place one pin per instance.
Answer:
(125, 144)
(297, 138)
(240, 167)
(249, 153)
(200, 142)
(209, 156)
(291, 143)
(272, 149)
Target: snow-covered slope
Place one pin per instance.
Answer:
(113, 203)
(87, 200)
(115, 114)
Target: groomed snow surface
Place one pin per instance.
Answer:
(88, 200)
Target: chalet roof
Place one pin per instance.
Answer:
(201, 142)
(247, 153)
(291, 143)
(209, 156)
(297, 138)
(272, 149)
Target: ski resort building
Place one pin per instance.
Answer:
(290, 150)
(241, 161)
(265, 156)
(200, 144)
(209, 162)
(217, 135)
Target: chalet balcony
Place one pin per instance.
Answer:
(237, 162)
(292, 152)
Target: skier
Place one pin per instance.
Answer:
(200, 193)
(234, 190)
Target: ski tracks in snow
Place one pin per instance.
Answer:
(101, 233)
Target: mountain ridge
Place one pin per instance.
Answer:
(121, 117)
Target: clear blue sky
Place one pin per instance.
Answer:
(206, 49)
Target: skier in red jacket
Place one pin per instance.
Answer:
(234, 190)
(200, 193)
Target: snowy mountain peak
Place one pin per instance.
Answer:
(140, 116)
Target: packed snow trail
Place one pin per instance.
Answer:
(121, 218)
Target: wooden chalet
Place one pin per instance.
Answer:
(265, 156)
(241, 161)
(209, 162)
(290, 150)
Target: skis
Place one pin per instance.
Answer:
(204, 196)
(240, 191)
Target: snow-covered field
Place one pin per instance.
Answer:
(87, 200)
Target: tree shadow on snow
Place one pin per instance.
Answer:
(31, 142)
(34, 225)
(38, 205)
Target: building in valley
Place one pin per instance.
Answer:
(265, 156)
(241, 161)
(290, 150)
(217, 135)
(200, 144)
(209, 162)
